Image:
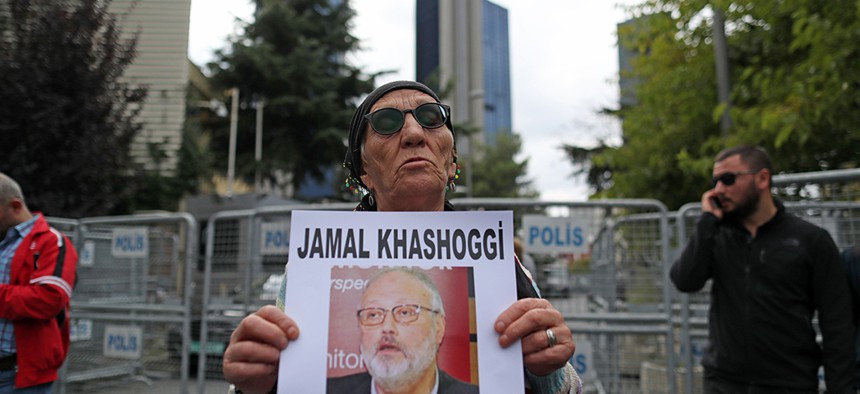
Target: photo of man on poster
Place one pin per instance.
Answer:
(402, 323)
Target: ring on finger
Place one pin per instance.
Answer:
(551, 339)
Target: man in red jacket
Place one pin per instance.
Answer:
(37, 274)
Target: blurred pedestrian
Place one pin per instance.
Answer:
(771, 273)
(37, 274)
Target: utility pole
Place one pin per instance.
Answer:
(258, 146)
(231, 160)
(722, 64)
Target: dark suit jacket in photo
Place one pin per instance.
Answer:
(360, 384)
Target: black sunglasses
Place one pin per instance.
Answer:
(388, 121)
(729, 178)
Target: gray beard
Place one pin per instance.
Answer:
(396, 376)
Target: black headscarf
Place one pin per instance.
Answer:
(358, 125)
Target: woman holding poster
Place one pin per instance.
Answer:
(402, 154)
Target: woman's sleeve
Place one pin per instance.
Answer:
(563, 381)
(282, 293)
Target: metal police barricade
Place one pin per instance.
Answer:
(832, 185)
(131, 309)
(69, 227)
(631, 254)
(226, 240)
(618, 304)
(246, 252)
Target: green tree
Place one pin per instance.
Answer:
(66, 117)
(496, 171)
(292, 56)
(598, 176)
(792, 78)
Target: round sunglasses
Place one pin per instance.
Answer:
(388, 121)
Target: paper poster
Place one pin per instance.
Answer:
(392, 298)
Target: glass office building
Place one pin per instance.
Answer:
(466, 42)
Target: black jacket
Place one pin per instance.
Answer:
(764, 295)
(851, 260)
(360, 384)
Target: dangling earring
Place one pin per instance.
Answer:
(370, 200)
(352, 185)
(452, 187)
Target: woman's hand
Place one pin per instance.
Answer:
(529, 319)
(252, 357)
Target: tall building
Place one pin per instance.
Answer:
(161, 65)
(629, 32)
(465, 42)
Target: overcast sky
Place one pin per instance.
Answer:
(564, 68)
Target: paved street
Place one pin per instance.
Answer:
(138, 386)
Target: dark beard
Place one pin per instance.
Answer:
(743, 209)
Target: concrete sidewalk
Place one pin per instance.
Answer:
(144, 386)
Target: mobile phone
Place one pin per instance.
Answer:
(715, 202)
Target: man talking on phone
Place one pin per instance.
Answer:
(771, 273)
